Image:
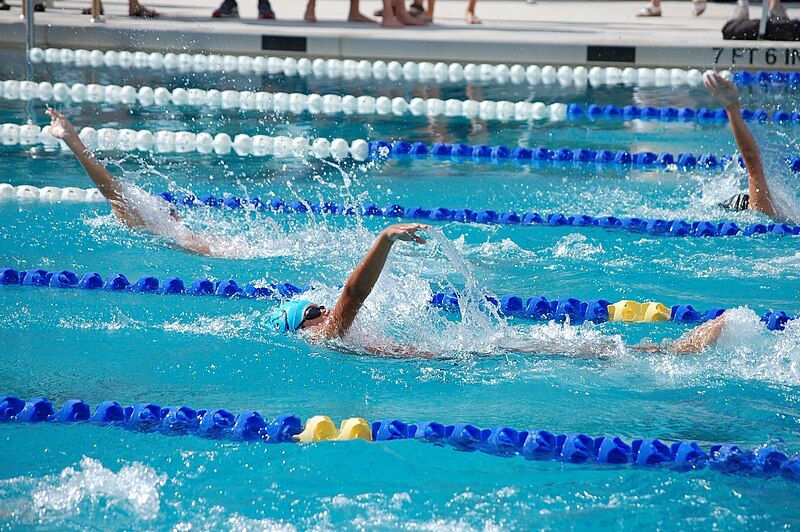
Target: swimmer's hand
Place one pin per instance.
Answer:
(60, 126)
(723, 90)
(405, 232)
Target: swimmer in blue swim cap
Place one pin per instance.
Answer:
(320, 323)
(296, 315)
(118, 195)
(327, 323)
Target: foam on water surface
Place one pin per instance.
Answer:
(134, 492)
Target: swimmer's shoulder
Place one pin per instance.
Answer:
(326, 330)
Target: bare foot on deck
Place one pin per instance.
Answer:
(405, 18)
(359, 17)
(392, 22)
(310, 15)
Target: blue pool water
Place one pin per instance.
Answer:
(215, 352)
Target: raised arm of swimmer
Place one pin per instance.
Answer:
(62, 128)
(726, 93)
(112, 189)
(321, 322)
(360, 283)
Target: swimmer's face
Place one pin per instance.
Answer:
(173, 213)
(314, 315)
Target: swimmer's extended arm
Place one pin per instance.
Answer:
(398, 351)
(191, 241)
(691, 342)
(363, 279)
(112, 190)
(62, 128)
(727, 94)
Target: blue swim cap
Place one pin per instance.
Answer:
(289, 316)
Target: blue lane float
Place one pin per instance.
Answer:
(538, 308)
(118, 282)
(645, 226)
(576, 312)
(531, 444)
(700, 115)
(544, 156)
(767, 79)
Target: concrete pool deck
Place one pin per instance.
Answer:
(546, 31)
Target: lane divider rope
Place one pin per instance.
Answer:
(652, 227)
(394, 70)
(532, 444)
(298, 103)
(204, 143)
(281, 102)
(565, 310)
(401, 149)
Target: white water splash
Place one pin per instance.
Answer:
(229, 326)
(215, 518)
(506, 249)
(775, 145)
(576, 246)
(118, 321)
(136, 488)
(746, 350)
(716, 187)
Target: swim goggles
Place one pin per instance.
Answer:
(311, 313)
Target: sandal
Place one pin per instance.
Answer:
(649, 11)
(472, 19)
(88, 11)
(418, 12)
(699, 7)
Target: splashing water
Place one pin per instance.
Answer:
(472, 300)
(774, 145)
(576, 246)
(745, 350)
(256, 234)
(716, 188)
(398, 314)
(136, 488)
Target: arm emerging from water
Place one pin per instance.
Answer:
(114, 191)
(62, 128)
(726, 93)
(363, 279)
(691, 342)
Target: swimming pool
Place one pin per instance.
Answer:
(220, 352)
